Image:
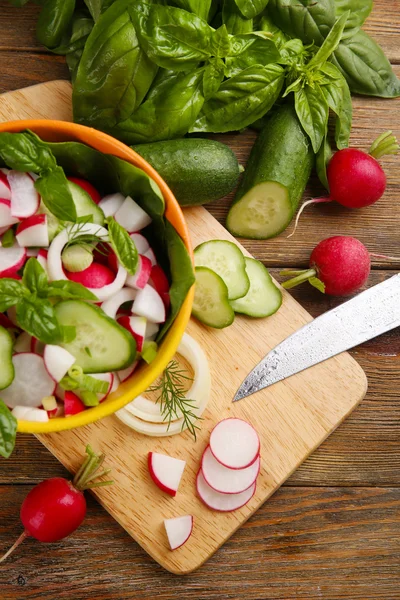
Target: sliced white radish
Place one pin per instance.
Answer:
(111, 203)
(24, 413)
(33, 231)
(228, 481)
(178, 530)
(22, 343)
(115, 384)
(124, 374)
(151, 256)
(107, 377)
(11, 260)
(32, 252)
(42, 258)
(166, 471)
(112, 305)
(141, 243)
(136, 327)
(142, 275)
(6, 218)
(149, 304)
(235, 443)
(57, 361)
(24, 197)
(37, 346)
(131, 216)
(5, 190)
(151, 330)
(31, 382)
(222, 502)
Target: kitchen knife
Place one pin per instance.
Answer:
(362, 318)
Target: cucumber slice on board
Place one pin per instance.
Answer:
(7, 367)
(84, 205)
(225, 259)
(211, 305)
(263, 298)
(100, 345)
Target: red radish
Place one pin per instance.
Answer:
(31, 382)
(11, 260)
(26, 413)
(54, 508)
(142, 275)
(24, 197)
(160, 283)
(142, 245)
(57, 361)
(42, 258)
(111, 204)
(5, 190)
(33, 232)
(6, 218)
(72, 404)
(178, 530)
(222, 502)
(136, 327)
(166, 471)
(124, 374)
(58, 411)
(101, 254)
(96, 276)
(149, 304)
(235, 443)
(355, 178)
(87, 187)
(228, 481)
(131, 216)
(111, 306)
(112, 261)
(22, 343)
(150, 254)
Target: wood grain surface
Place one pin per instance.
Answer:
(290, 548)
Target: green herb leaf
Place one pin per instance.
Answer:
(8, 239)
(330, 44)
(8, 430)
(25, 152)
(11, 292)
(201, 9)
(54, 190)
(123, 246)
(312, 110)
(35, 277)
(323, 157)
(317, 283)
(220, 42)
(308, 20)
(69, 290)
(338, 97)
(235, 22)
(359, 12)
(213, 77)
(37, 317)
(249, 50)
(251, 8)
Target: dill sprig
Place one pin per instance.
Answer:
(87, 240)
(172, 397)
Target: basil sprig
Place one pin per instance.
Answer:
(8, 430)
(123, 246)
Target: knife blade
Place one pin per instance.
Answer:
(358, 320)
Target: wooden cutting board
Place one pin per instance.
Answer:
(293, 417)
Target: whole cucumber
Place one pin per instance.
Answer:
(197, 170)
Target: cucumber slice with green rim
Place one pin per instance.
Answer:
(211, 305)
(111, 347)
(225, 259)
(263, 298)
(85, 207)
(7, 367)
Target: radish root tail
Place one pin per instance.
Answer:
(19, 541)
(314, 201)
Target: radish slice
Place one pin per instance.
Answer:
(131, 216)
(33, 231)
(235, 443)
(5, 321)
(5, 191)
(24, 197)
(111, 203)
(31, 382)
(222, 502)
(178, 530)
(136, 327)
(22, 343)
(11, 260)
(57, 361)
(124, 374)
(151, 330)
(24, 413)
(6, 218)
(115, 384)
(42, 259)
(72, 404)
(228, 481)
(142, 245)
(166, 471)
(149, 304)
(112, 305)
(140, 279)
(151, 256)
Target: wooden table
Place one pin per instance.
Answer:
(333, 531)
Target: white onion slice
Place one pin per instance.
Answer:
(111, 306)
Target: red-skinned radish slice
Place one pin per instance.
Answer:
(57, 361)
(141, 243)
(25, 413)
(151, 256)
(178, 530)
(87, 187)
(95, 276)
(33, 231)
(31, 382)
(222, 502)
(11, 260)
(24, 197)
(235, 443)
(72, 404)
(124, 374)
(228, 481)
(159, 281)
(131, 216)
(23, 343)
(111, 204)
(136, 327)
(42, 258)
(111, 306)
(5, 190)
(149, 304)
(140, 279)
(6, 218)
(166, 471)
(112, 261)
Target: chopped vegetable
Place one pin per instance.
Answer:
(166, 471)
(178, 530)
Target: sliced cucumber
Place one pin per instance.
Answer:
(263, 298)
(111, 347)
(211, 305)
(84, 204)
(7, 367)
(225, 259)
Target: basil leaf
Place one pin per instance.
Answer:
(37, 317)
(312, 110)
(8, 430)
(241, 100)
(337, 94)
(200, 8)
(330, 44)
(123, 246)
(220, 42)
(56, 195)
(69, 290)
(235, 22)
(249, 50)
(251, 8)
(25, 152)
(308, 20)
(97, 7)
(359, 12)
(82, 25)
(323, 157)
(35, 277)
(213, 77)
(11, 292)
(266, 24)
(366, 68)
